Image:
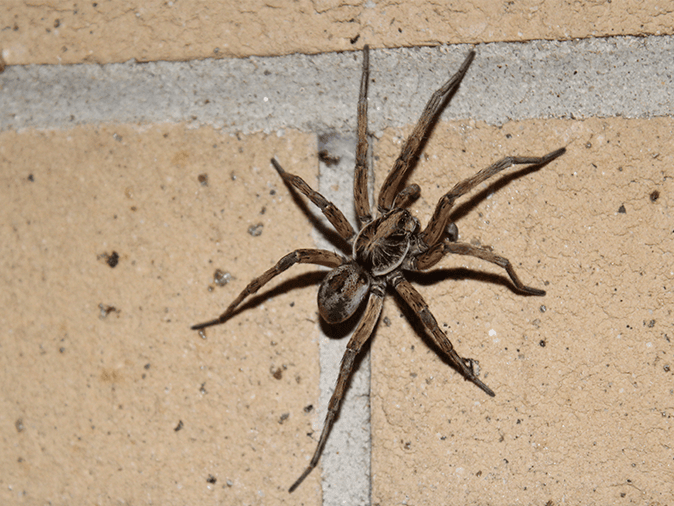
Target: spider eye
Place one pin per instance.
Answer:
(341, 292)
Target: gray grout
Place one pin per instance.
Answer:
(346, 459)
(621, 76)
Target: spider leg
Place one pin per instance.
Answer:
(419, 306)
(433, 255)
(411, 146)
(360, 197)
(359, 338)
(301, 256)
(407, 195)
(330, 210)
(433, 231)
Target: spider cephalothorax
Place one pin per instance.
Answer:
(386, 246)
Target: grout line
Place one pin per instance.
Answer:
(616, 76)
(345, 461)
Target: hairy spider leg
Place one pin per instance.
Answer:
(432, 256)
(436, 226)
(358, 339)
(300, 256)
(433, 107)
(330, 210)
(414, 299)
(407, 195)
(360, 197)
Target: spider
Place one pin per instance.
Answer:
(389, 241)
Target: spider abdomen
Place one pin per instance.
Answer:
(383, 244)
(342, 291)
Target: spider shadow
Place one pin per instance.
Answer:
(329, 233)
(466, 207)
(459, 212)
(340, 331)
(414, 160)
(312, 214)
(332, 331)
(346, 328)
(304, 280)
(313, 278)
(434, 277)
(496, 184)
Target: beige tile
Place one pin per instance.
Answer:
(59, 32)
(583, 376)
(91, 405)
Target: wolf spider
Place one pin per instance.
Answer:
(386, 245)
